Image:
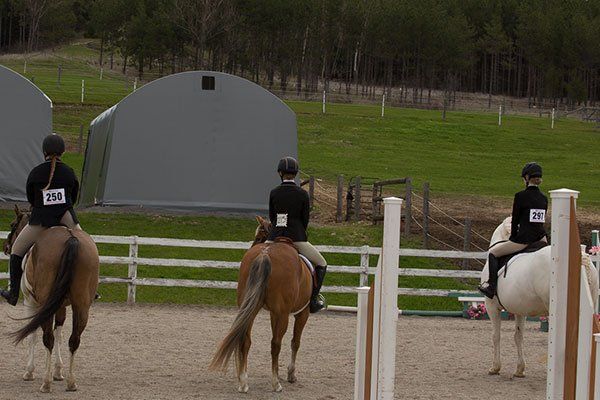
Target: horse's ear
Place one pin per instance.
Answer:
(17, 210)
(259, 219)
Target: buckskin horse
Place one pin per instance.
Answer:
(272, 277)
(61, 269)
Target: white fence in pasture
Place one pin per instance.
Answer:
(363, 270)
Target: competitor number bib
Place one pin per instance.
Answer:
(537, 215)
(282, 220)
(54, 196)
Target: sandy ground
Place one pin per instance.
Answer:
(162, 352)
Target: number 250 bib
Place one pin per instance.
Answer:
(54, 196)
(537, 215)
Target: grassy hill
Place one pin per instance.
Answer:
(466, 154)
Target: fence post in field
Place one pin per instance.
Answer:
(101, 72)
(311, 190)
(357, 199)
(408, 208)
(383, 106)
(135, 84)
(59, 73)
(500, 115)
(324, 100)
(552, 124)
(467, 244)
(426, 215)
(25, 67)
(80, 141)
(340, 198)
(364, 264)
(82, 90)
(132, 271)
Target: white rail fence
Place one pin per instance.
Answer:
(363, 269)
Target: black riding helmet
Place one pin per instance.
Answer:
(533, 169)
(53, 145)
(288, 165)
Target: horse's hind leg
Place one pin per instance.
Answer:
(31, 341)
(80, 318)
(495, 317)
(59, 321)
(299, 323)
(48, 339)
(519, 325)
(242, 362)
(279, 323)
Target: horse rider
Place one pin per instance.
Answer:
(289, 212)
(52, 189)
(527, 224)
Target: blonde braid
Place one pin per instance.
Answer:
(52, 169)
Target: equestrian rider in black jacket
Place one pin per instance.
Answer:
(527, 225)
(289, 212)
(52, 189)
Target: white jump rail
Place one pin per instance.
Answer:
(364, 270)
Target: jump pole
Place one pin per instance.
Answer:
(384, 316)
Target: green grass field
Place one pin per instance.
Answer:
(468, 154)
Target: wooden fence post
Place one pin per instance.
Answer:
(311, 190)
(80, 141)
(426, 215)
(59, 73)
(340, 198)
(357, 199)
(408, 208)
(467, 244)
(132, 271)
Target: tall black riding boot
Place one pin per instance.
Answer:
(16, 271)
(316, 303)
(489, 288)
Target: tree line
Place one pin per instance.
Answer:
(523, 48)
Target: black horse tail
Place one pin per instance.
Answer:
(59, 291)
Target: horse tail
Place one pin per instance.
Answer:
(254, 298)
(59, 291)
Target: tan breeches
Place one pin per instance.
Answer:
(30, 233)
(505, 248)
(309, 251)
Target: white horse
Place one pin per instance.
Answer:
(524, 292)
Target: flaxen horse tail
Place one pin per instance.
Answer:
(254, 298)
(59, 291)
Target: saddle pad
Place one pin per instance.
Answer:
(308, 264)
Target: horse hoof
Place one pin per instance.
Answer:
(45, 387)
(292, 378)
(58, 378)
(243, 388)
(71, 387)
(28, 376)
(494, 371)
(519, 375)
(278, 388)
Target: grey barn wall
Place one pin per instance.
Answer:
(172, 144)
(25, 119)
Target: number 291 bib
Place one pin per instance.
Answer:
(54, 196)
(537, 215)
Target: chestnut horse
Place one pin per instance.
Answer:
(61, 269)
(272, 276)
